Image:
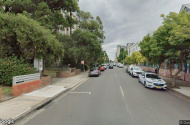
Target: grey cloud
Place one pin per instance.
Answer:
(129, 20)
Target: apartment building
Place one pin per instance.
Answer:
(185, 7)
(68, 30)
(134, 47)
(119, 47)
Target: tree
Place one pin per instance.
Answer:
(106, 58)
(47, 12)
(153, 47)
(82, 45)
(128, 60)
(25, 38)
(170, 41)
(87, 22)
(137, 57)
(178, 40)
(87, 46)
(122, 55)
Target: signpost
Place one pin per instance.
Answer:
(38, 65)
(82, 62)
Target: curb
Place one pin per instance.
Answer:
(178, 94)
(45, 102)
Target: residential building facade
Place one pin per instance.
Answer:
(135, 47)
(185, 7)
(68, 30)
(128, 45)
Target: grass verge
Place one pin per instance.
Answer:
(6, 90)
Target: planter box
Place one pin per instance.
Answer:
(70, 73)
(46, 80)
(78, 71)
(187, 77)
(26, 87)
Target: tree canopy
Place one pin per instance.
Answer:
(26, 38)
(122, 55)
(170, 41)
(47, 12)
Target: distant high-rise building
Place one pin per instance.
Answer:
(118, 50)
(128, 46)
(119, 47)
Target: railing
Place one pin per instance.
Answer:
(25, 78)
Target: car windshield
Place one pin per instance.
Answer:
(137, 68)
(154, 76)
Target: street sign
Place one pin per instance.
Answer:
(82, 62)
(38, 64)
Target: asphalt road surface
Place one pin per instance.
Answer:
(114, 98)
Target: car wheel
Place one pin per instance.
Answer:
(132, 75)
(145, 85)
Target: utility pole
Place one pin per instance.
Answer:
(123, 59)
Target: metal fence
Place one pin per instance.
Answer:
(25, 78)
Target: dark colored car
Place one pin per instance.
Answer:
(110, 66)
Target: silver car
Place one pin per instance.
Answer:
(94, 72)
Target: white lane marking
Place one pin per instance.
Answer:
(81, 82)
(122, 91)
(80, 93)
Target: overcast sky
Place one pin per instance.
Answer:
(127, 21)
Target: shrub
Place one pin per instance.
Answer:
(12, 66)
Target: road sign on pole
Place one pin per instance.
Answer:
(82, 62)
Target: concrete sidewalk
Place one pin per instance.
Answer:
(20, 106)
(183, 91)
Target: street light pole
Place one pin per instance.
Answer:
(123, 59)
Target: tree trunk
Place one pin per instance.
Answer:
(158, 71)
(170, 68)
(176, 74)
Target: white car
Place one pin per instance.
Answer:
(105, 66)
(120, 66)
(152, 80)
(129, 68)
(135, 71)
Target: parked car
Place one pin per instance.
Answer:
(105, 66)
(110, 66)
(129, 69)
(93, 72)
(101, 68)
(114, 64)
(120, 66)
(135, 71)
(152, 80)
(98, 70)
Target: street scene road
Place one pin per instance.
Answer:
(114, 98)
